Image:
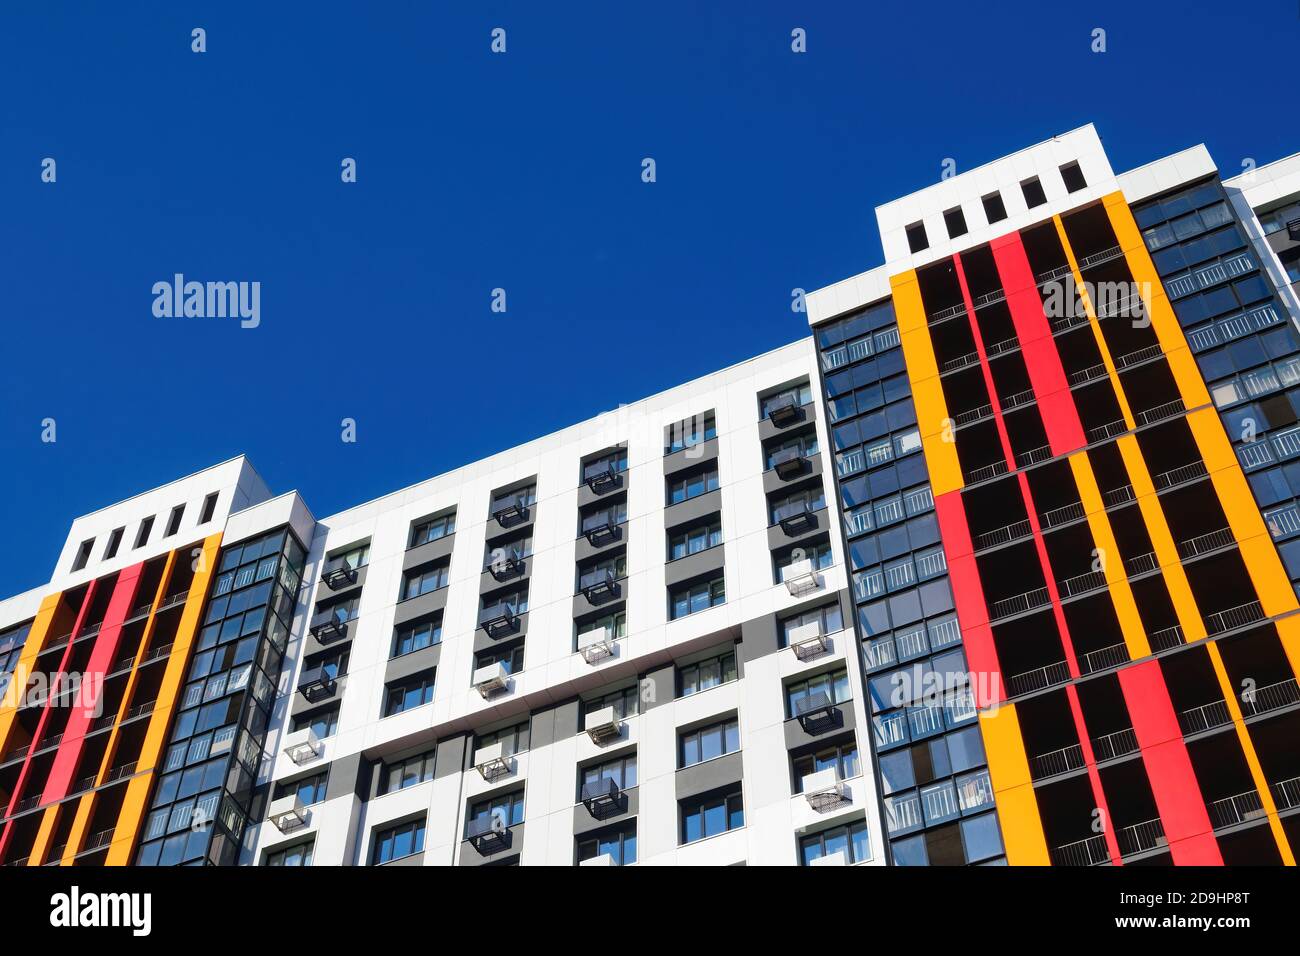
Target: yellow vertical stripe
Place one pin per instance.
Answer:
(44, 835)
(927, 391)
(1121, 594)
(1013, 788)
(22, 671)
(131, 816)
(1191, 384)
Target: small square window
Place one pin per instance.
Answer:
(994, 208)
(209, 508)
(1072, 176)
(1033, 190)
(917, 240)
(955, 222)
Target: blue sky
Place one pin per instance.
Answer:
(519, 171)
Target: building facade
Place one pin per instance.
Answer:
(998, 566)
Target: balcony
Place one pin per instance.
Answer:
(1195, 720)
(596, 645)
(789, 463)
(339, 576)
(598, 586)
(1032, 457)
(1141, 837)
(492, 762)
(1234, 617)
(1166, 639)
(816, 713)
(1286, 793)
(785, 411)
(316, 684)
(800, 578)
(807, 641)
(1103, 658)
(288, 813)
(1097, 258)
(329, 630)
(1038, 678)
(796, 518)
(1056, 762)
(1110, 746)
(1271, 697)
(602, 726)
(601, 479)
(1020, 604)
(506, 566)
(302, 746)
(602, 798)
(510, 510)
(499, 620)
(1234, 810)
(986, 472)
(600, 531)
(1089, 852)
(488, 834)
(824, 790)
(491, 679)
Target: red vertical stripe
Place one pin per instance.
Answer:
(1046, 375)
(968, 596)
(1169, 767)
(987, 372)
(86, 708)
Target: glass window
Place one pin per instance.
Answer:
(422, 582)
(409, 693)
(622, 770)
(508, 808)
(828, 617)
(692, 485)
(619, 844)
(711, 815)
(417, 635)
(832, 686)
(709, 742)
(624, 702)
(399, 841)
(513, 739)
(407, 772)
(324, 722)
(432, 529)
(697, 597)
(843, 759)
(692, 431)
(694, 540)
(703, 675)
(309, 789)
(299, 855)
(853, 841)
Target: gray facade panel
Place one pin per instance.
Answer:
(796, 736)
(709, 775)
(451, 756)
(428, 552)
(778, 538)
(416, 607)
(413, 663)
(584, 822)
(689, 458)
(688, 512)
(702, 564)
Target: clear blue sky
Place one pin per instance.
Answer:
(520, 171)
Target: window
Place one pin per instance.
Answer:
(803, 446)
(209, 508)
(83, 554)
(618, 843)
(954, 220)
(1072, 176)
(426, 580)
(809, 499)
(624, 702)
(706, 743)
(819, 553)
(417, 635)
(692, 485)
(408, 772)
(174, 522)
(829, 617)
(917, 241)
(708, 673)
(354, 557)
(114, 542)
(1033, 192)
(299, 855)
(615, 624)
(309, 789)
(325, 722)
(341, 611)
(691, 431)
(521, 498)
(393, 843)
(513, 739)
(800, 394)
(712, 814)
(843, 759)
(622, 770)
(142, 536)
(835, 685)
(510, 655)
(994, 209)
(693, 540)
(508, 808)
(516, 600)
(852, 840)
(408, 693)
(333, 664)
(431, 529)
(496, 554)
(697, 597)
(595, 572)
(615, 461)
(612, 515)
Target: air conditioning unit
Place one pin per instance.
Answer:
(492, 761)
(823, 790)
(596, 645)
(288, 813)
(801, 577)
(838, 858)
(807, 640)
(603, 860)
(302, 746)
(603, 725)
(491, 679)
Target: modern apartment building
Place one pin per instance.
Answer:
(998, 566)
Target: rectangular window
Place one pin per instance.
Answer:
(994, 209)
(798, 395)
(511, 655)
(843, 759)
(622, 770)
(209, 508)
(954, 221)
(83, 554)
(852, 841)
(508, 808)
(691, 431)
(694, 540)
(604, 516)
(299, 855)
(114, 542)
(833, 686)
(801, 446)
(309, 789)
(615, 625)
(623, 701)
(426, 580)
(917, 240)
(706, 743)
(692, 485)
(697, 597)
(142, 536)
(615, 461)
(712, 814)
(812, 499)
(828, 617)
(618, 843)
(353, 558)
(174, 522)
(417, 635)
(324, 722)
(1072, 176)
(408, 772)
(513, 739)
(820, 554)
(1033, 192)
(408, 693)
(431, 529)
(393, 843)
(708, 673)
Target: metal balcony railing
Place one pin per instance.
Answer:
(1240, 808)
(961, 361)
(1130, 359)
(1097, 258)
(1109, 430)
(1034, 456)
(989, 298)
(1052, 275)
(1118, 496)
(1117, 744)
(1091, 374)
(1205, 717)
(1056, 762)
(1082, 583)
(1063, 515)
(985, 472)
(1000, 348)
(1234, 617)
(1089, 852)
(1019, 604)
(1066, 322)
(1122, 308)
(989, 539)
(1018, 399)
(1167, 410)
(1140, 837)
(1206, 543)
(1038, 678)
(973, 415)
(1166, 638)
(943, 315)
(1284, 693)
(1099, 660)
(1286, 793)
(1141, 564)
